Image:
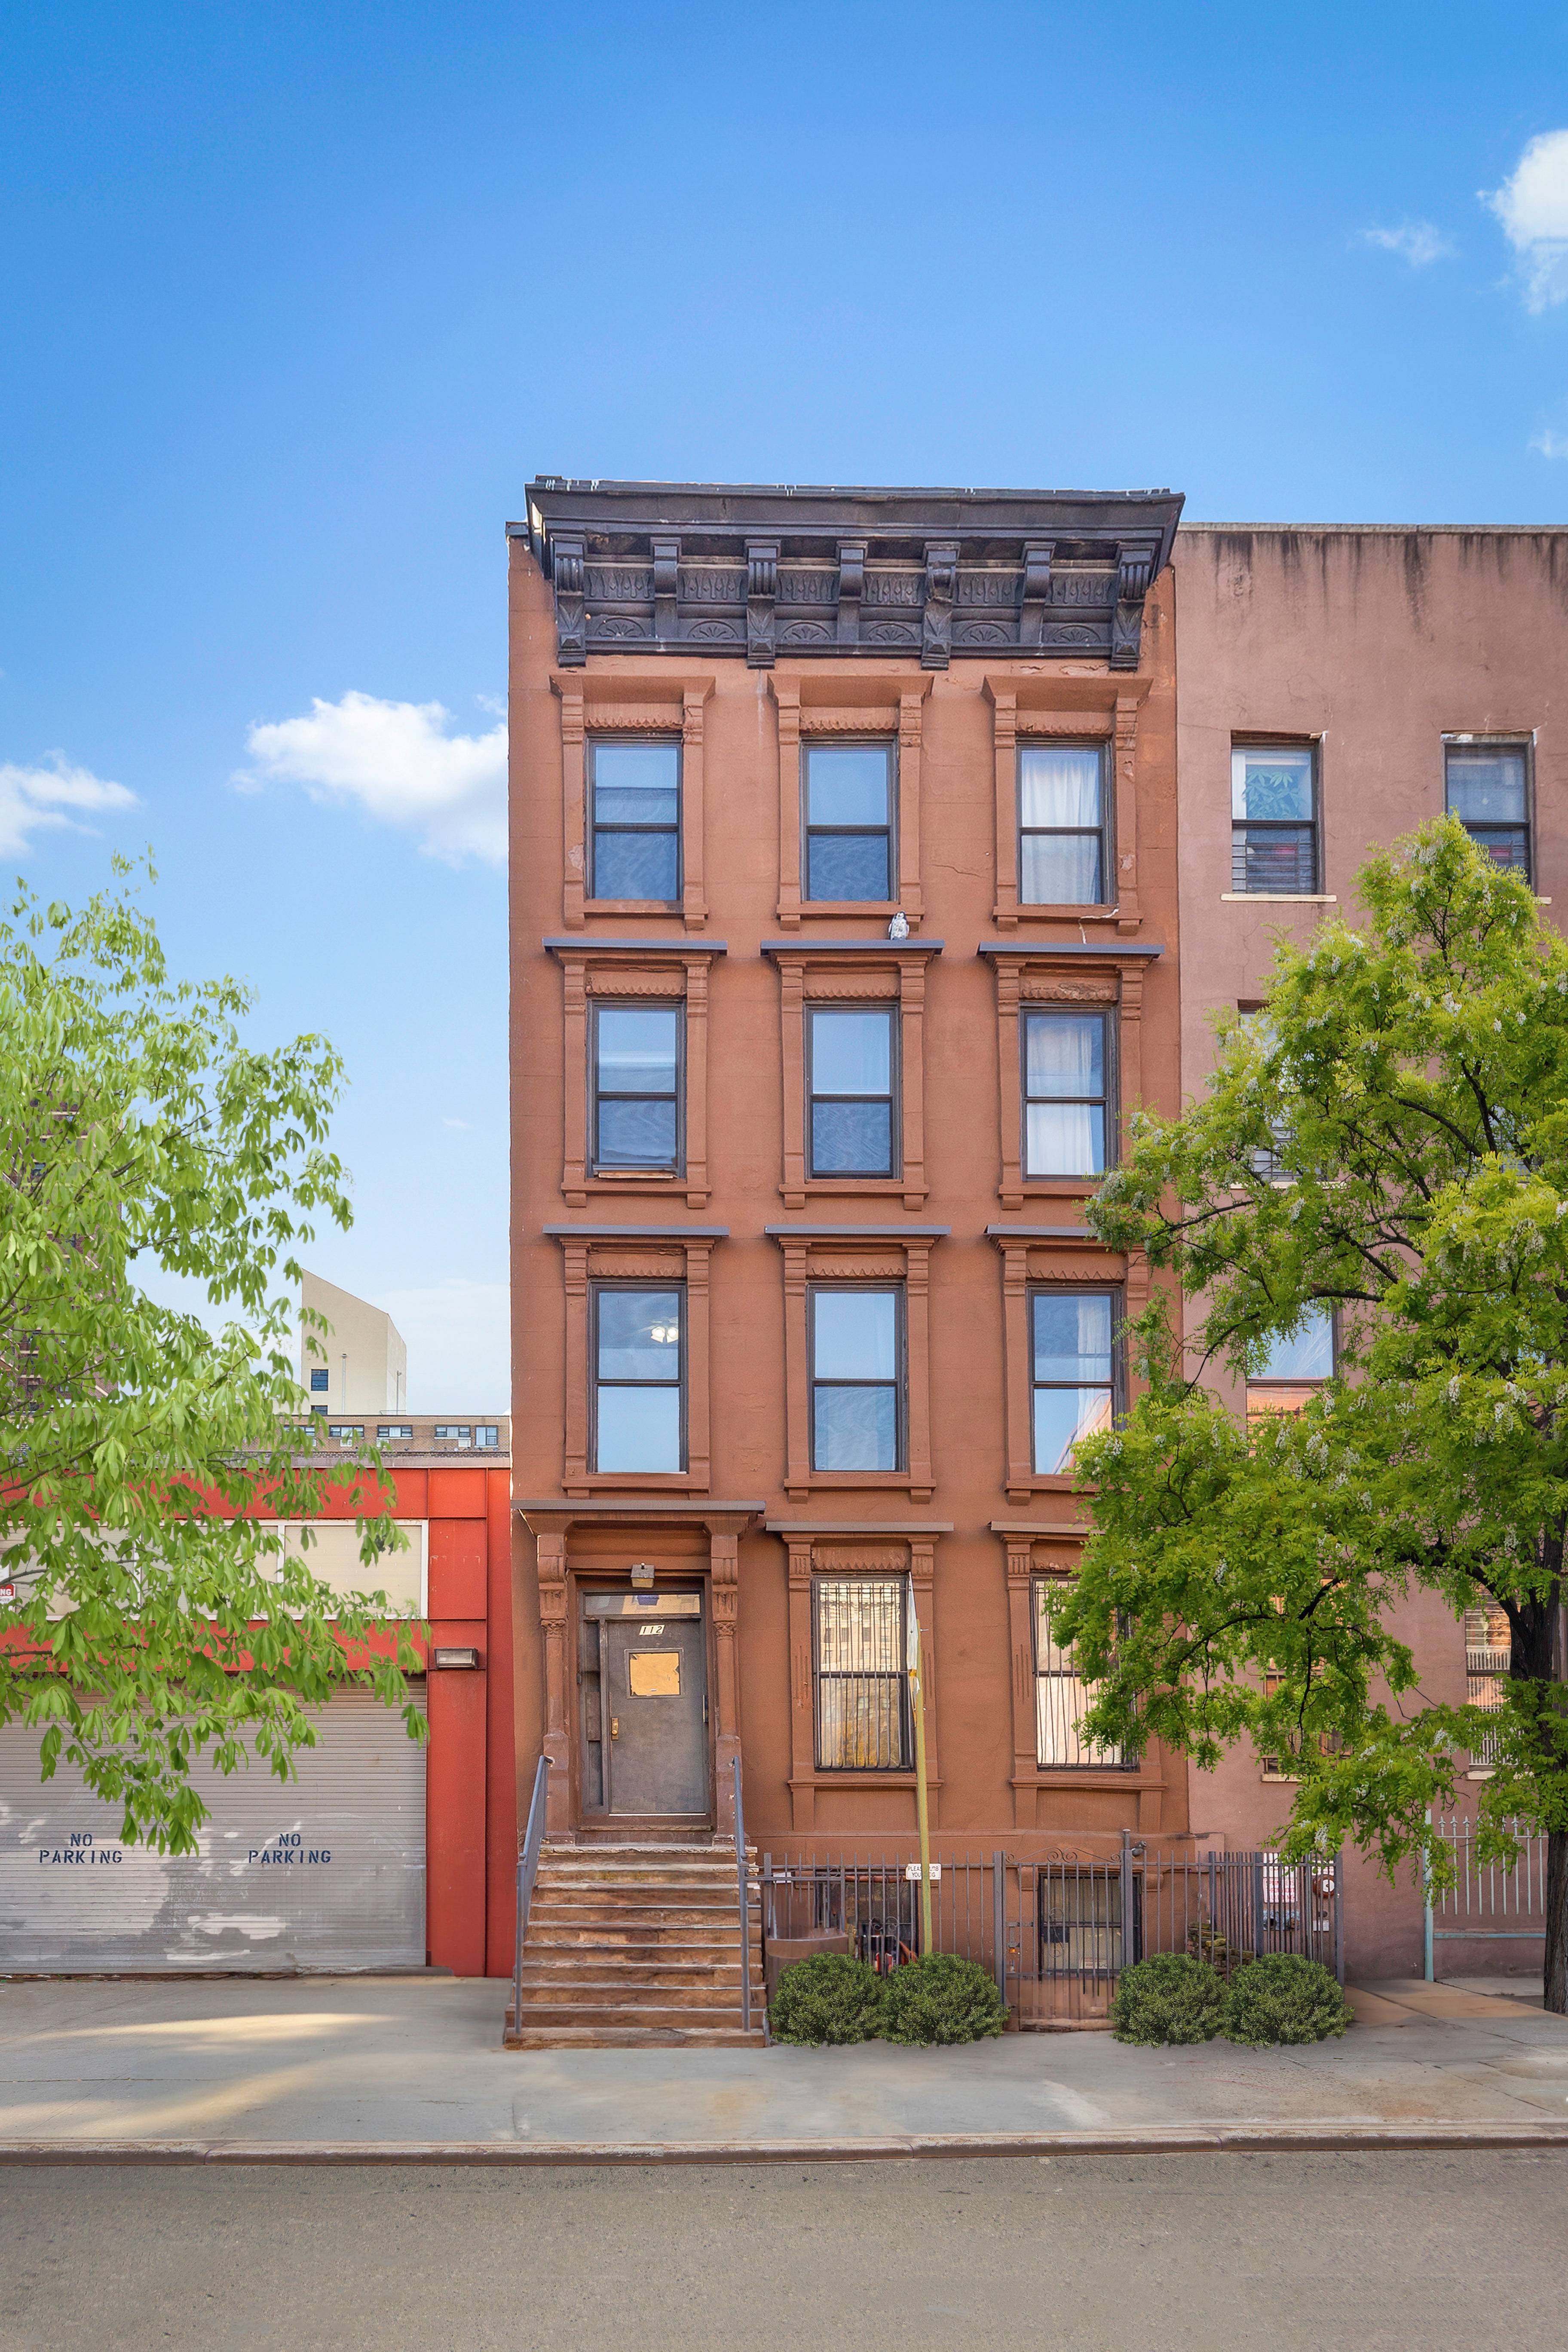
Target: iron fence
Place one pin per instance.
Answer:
(1056, 1934)
(1486, 1902)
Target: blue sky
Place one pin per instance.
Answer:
(297, 299)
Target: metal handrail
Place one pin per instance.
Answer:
(527, 1872)
(745, 1904)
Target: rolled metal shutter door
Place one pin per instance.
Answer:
(324, 1871)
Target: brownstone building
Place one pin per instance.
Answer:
(844, 943)
(1339, 685)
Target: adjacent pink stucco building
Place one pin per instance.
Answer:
(1336, 685)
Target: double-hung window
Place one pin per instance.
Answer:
(635, 1064)
(634, 821)
(1273, 820)
(1297, 1365)
(1066, 1092)
(1063, 854)
(858, 1638)
(638, 1358)
(1072, 1369)
(857, 1344)
(849, 821)
(851, 1059)
(1062, 1698)
(1489, 792)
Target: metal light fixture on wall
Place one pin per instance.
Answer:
(642, 1573)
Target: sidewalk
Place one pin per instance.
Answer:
(412, 2069)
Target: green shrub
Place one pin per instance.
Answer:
(942, 1999)
(1170, 1997)
(1283, 1997)
(828, 1997)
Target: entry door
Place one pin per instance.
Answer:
(654, 1691)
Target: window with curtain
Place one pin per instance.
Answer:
(1273, 820)
(638, 1371)
(1071, 1337)
(1488, 791)
(1489, 1655)
(636, 1069)
(850, 1063)
(849, 821)
(1062, 850)
(861, 1676)
(856, 1379)
(634, 821)
(1065, 1093)
(1062, 1698)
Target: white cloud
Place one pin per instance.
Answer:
(1533, 209)
(398, 762)
(33, 799)
(460, 1345)
(457, 1125)
(1416, 241)
(1548, 444)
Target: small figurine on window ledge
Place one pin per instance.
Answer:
(898, 929)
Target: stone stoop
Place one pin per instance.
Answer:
(637, 1944)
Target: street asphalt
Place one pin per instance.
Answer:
(1385, 2253)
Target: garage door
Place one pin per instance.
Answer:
(324, 1872)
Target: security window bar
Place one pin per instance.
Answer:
(634, 829)
(1489, 1658)
(635, 1082)
(1073, 1369)
(848, 842)
(856, 1353)
(1273, 821)
(862, 1693)
(1062, 1698)
(638, 1356)
(1067, 1065)
(1489, 792)
(851, 1061)
(1064, 857)
(319, 1379)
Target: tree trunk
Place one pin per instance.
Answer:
(1555, 1976)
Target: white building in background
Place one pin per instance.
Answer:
(361, 1364)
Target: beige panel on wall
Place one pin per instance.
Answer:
(333, 1556)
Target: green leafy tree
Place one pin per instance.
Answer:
(1389, 1141)
(155, 1618)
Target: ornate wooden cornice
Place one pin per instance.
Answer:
(757, 571)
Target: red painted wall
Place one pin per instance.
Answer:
(470, 1794)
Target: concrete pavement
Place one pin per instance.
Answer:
(332, 2065)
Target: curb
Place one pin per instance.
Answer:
(1209, 2139)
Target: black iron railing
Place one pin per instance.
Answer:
(1056, 1934)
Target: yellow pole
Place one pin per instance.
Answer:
(922, 1812)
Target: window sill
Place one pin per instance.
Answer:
(1088, 1776)
(849, 1778)
(1278, 899)
(1062, 1187)
(630, 1185)
(1007, 918)
(881, 1482)
(863, 1188)
(791, 914)
(1053, 1482)
(634, 1482)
